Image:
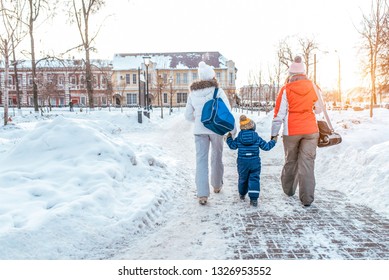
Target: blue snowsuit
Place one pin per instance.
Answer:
(248, 143)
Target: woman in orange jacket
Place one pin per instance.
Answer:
(295, 110)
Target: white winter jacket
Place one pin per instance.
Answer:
(201, 92)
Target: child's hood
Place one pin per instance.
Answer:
(248, 137)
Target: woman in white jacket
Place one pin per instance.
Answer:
(205, 140)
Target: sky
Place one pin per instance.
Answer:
(90, 185)
(245, 31)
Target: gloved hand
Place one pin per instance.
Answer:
(227, 135)
(274, 138)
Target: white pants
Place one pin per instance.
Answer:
(203, 142)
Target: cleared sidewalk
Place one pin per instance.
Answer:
(281, 228)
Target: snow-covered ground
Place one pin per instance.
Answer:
(91, 185)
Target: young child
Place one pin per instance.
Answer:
(248, 143)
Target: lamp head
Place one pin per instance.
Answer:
(146, 60)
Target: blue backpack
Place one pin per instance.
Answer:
(216, 116)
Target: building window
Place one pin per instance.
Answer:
(178, 78)
(231, 78)
(165, 98)
(182, 97)
(82, 82)
(131, 99)
(104, 100)
(60, 80)
(194, 76)
(185, 79)
(134, 79)
(73, 80)
(165, 78)
(127, 79)
(83, 100)
(218, 76)
(29, 79)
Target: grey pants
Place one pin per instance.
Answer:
(203, 143)
(300, 154)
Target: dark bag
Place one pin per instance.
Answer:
(327, 136)
(216, 116)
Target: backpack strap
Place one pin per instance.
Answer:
(215, 93)
(321, 102)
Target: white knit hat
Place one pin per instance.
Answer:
(297, 66)
(206, 72)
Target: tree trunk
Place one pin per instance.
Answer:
(89, 76)
(33, 65)
(16, 75)
(6, 97)
(160, 96)
(373, 81)
(89, 79)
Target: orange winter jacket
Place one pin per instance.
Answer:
(295, 109)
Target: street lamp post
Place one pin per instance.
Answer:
(171, 95)
(160, 86)
(146, 60)
(339, 89)
(314, 69)
(139, 99)
(340, 92)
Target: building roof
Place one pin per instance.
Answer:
(57, 63)
(178, 60)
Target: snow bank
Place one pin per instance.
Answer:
(359, 165)
(71, 181)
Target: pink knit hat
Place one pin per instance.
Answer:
(297, 66)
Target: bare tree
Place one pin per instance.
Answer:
(35, 9)
(15, 68)
(47, 86)
(372, 32)
(258, 89)
(157, 86)
(82, 12)
(284, 53)
(161, 85)
(48, 80)
(308, 46)
(305, 47)
(383, 59)
(10, 37)
(121, 85)
(277, 76)
(251, 81)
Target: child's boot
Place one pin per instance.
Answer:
(254, 202)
